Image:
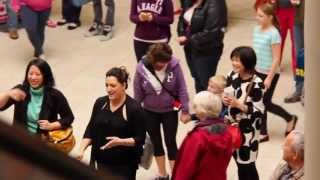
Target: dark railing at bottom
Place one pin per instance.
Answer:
(25, 157)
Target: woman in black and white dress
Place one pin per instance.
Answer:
(246, 111)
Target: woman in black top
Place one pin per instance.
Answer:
(115, 130)
(38, 106)
(201, 30)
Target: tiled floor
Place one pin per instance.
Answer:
(79, 65)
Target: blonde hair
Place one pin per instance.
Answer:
(270, 10)
(207, 104)
(220, 80)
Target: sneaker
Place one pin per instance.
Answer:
(106, 33)
(13, 34)
(292, 98)
(72, 26)
(94, 30)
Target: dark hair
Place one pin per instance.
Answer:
(48, 79)
(247, 57)
(160, 52)
(270, 10)
(120, 73)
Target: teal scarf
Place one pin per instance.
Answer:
(34, 108)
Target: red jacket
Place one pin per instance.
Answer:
(205, 155)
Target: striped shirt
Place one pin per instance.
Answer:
(262, 44)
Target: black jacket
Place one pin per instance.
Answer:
(54, 104)
(207, 24)
(103, 123)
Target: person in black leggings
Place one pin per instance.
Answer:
(273, 108)
(157, 99)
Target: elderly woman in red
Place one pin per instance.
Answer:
(206, 151)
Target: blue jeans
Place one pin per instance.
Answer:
(97, 9)
(35, 22)
(299, 44)
(12, 21)
(202, 66)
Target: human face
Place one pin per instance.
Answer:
(237, 65)
(263, 19)
(289, 154)
(115, 89)
(159, 65)
(215, 88)
(35, 77)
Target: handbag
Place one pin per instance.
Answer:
(61, 139)
(147, 155)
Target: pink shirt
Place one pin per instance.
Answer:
(36, 5)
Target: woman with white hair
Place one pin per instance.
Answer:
(206, 151)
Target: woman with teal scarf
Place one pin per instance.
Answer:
(38, 106)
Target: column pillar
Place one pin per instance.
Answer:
(312, 89)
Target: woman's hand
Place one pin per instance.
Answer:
(182, 40)
(226, 100)
(113, 141)
(231, 101)
(17, 94)
(149, 16)
(185, 118)
(143, 16)
(45, 125)
(267, 83)
(295, 2)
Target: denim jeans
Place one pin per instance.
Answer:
(97, 9)
(12, 21)
(35, 22)
(70, 12)
(299, 44)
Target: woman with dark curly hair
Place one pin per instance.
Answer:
(115, 130)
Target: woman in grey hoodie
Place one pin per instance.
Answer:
(160, 87)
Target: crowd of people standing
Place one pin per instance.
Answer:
(236, 114)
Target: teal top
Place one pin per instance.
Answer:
(262, 44)
(34, 108)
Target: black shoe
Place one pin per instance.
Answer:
(295, 120)
(62, 22)
(72, 26)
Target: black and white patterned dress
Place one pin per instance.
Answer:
(250, 122)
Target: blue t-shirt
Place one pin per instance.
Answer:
(262, 44)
